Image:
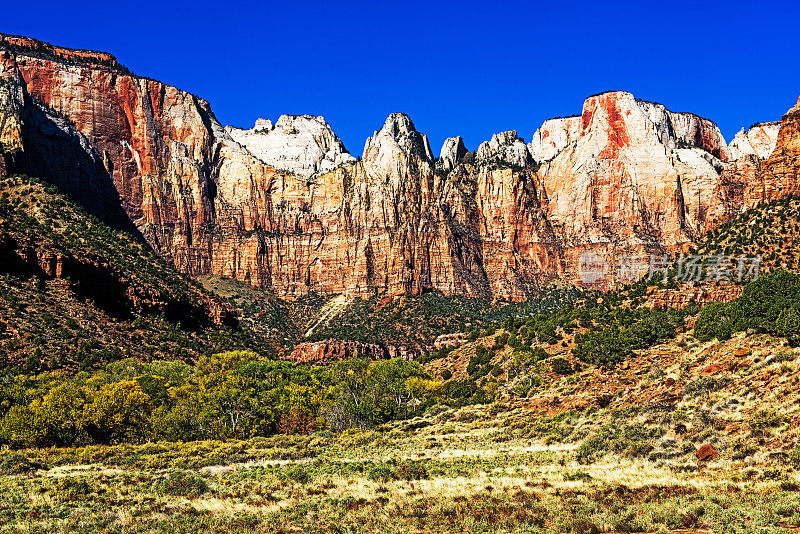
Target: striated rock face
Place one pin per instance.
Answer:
(622, 183)
(779, 173)
(284, 206)
(760, 140)
(397, 139)
(752, 178)
(687, 294)
(332, 350)
(301, 144)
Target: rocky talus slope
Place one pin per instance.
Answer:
(285, 207)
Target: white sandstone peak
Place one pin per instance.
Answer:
(504, 147)
(397, 134)
(760, 140)
(303, 144)
(453, 150)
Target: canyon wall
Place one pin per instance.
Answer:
(285, 207)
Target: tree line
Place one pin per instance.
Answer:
(231, 395)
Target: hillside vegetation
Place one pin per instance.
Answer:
(771, 231)
(75, 294)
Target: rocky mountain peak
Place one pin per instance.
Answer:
(398, 135)
(302, 144)
(453, 150)
(759, 140)
(504, 147)
(618, 120)
(263, 124)
(553, 136)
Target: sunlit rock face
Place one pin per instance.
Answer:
(452, 153)
(301, 144)
(284, 205)
(504, 148)
(623, 180)
(554, 136)
(778, 176)
(759, 140)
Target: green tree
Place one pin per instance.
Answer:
(115, 412)
(788, 325)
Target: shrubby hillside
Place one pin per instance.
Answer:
(75, 294)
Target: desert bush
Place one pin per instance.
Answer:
(296, 473)
(436, 409)
(794, 457)
(561, 366)
(763, 421)
(634, 441)
(411, 470)
(768, 304)
(16, 463)
(381, 472)
(183, 484)
(575, 476)
(69, 489)
(705, 386)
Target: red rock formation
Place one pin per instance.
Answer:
(625, 176)
(707, 452)
(687, 294)
(779, 172)
(332, 350)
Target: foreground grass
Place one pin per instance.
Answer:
(455, 471)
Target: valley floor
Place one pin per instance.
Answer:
(456, 471)
(603, 450)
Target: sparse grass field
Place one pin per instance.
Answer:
(466, 470)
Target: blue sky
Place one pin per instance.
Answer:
(457, 68)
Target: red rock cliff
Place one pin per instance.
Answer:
(624, 176)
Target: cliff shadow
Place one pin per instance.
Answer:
(56, 152)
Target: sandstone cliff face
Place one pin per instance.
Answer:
(452, 153)
(759, 140)
(332, 350)
(754, 178)
(301, 144)
(778, 176)
(622, 182)
(504, 148)
(624, 176)
(687, 295)
(554, 136)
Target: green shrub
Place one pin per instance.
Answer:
(763, 421)
(633, 441)
(381, 473)
(436, 409)
(561, 366)
(768, 304)
(296, 473)
(575, 476)
(16, 464)
(794, 457)
(714, 321)
(69, 489)
(183, 484)
(411, 470)
(705, 385)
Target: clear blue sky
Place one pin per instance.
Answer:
(457, 68)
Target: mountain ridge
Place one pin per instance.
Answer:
(626, 176)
